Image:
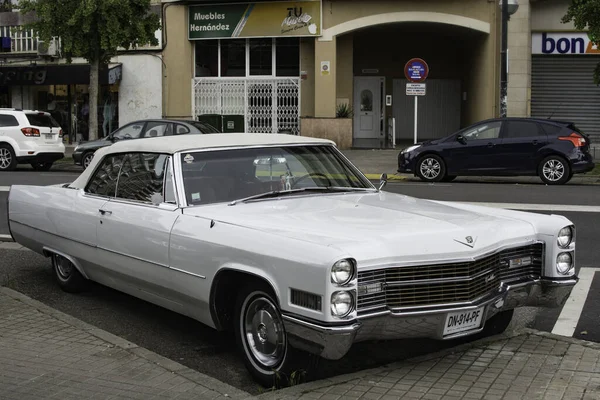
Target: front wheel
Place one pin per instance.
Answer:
(86, 159)
(554, 170)
(431, 168)
(260, 335)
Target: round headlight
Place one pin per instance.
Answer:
(342, 304)
(564, 263)
(565, 236)
(342, 272)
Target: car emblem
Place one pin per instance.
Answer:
(468, 241)
(489, 278)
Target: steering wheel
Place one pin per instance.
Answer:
(127, 136)
(301, 178)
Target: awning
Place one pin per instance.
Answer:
(64, 74)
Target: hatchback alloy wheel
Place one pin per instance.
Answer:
(554, 170)
(431, 168)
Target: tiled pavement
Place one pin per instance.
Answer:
(45, 354)
(525, 365)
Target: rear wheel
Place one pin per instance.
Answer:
(67, 275)
(554, 170)
(431, 168)
(40, 166)
(8, 158)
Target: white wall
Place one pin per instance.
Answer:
(140, 89)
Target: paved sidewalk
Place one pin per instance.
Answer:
(526, 365)
(45, 354)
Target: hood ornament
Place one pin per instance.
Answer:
(468, 241)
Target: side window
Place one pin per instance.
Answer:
(484, 131)
(104, 180)
(169, 189)
(142, 176)
(181, 129)
(131, 131)
(521, 129)
(552, 130)
(155, 129)
(8, 120)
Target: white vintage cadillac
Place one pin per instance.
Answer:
(281, 239)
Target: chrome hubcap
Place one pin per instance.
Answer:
(63, 266)
(553, 170)
(430, 168)
(5, 158)
(263, 329)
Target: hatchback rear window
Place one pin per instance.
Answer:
(42, 120)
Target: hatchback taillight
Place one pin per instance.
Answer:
(575, 138)
(60, 133)
(31, 132)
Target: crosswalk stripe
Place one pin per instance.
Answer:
(571, 311)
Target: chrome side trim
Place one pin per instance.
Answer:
(188, 273)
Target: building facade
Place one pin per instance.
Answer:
(34, 75)
(299, 66)
(551, 67)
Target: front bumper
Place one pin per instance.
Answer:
(406, 162)
(333, 342)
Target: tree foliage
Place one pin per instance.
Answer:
(585, 14)
(93, 30)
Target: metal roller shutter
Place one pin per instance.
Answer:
(564, 85)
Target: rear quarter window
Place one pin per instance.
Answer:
(8, 120)
(42, 120)
(552, 130)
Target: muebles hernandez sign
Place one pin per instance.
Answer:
(288, 18)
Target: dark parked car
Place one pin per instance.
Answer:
(84, 152)
(553, 150)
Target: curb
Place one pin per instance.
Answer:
(298, 390)
(170, 365)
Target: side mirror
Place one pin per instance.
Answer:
(461, 139)
(383, 180)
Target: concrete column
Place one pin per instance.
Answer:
(325, 83)
(519, 61)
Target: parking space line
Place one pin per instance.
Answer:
(571, 312)
(4, 188)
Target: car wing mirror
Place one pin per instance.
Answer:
(383, 180)
(461, 139)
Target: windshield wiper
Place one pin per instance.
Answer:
(277, 193)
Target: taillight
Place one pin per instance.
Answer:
(60, 133)
(31, 132)
(575, 138)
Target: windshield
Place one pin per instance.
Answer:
(227, 175)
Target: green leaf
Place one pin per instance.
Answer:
(585, 14)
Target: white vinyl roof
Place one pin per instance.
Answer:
(190, 142)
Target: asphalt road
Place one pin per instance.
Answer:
(201, 348)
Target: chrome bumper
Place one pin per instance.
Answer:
(333, 342)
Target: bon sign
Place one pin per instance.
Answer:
(416, 70)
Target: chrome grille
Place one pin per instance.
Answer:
(431, 285)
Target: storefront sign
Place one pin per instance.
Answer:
(287, 18)
(562, 43)
(416, 70)
(72, 74)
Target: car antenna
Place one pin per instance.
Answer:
(556, 109)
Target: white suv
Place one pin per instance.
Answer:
(29, 137)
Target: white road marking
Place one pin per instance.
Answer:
(4, 188)
(571, 312)
(537, 207)
(5, 238)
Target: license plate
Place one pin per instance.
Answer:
(49, 136)
(462, 321)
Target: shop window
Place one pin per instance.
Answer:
(287, 57)
(233, 57)
(207, 58)
(366, 100)
(261, 56)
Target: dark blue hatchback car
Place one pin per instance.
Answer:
(553, 150)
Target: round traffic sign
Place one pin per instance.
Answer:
(416, 70)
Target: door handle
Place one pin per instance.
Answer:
(535, 142)
(490, 145)
(105, 212)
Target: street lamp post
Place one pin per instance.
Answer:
(509, 7)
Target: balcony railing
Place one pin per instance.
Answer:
(22, 40)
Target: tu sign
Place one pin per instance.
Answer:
(416, 72)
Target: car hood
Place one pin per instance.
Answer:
(377, 226)
(94, 144)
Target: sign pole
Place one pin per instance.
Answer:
(416, 113)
